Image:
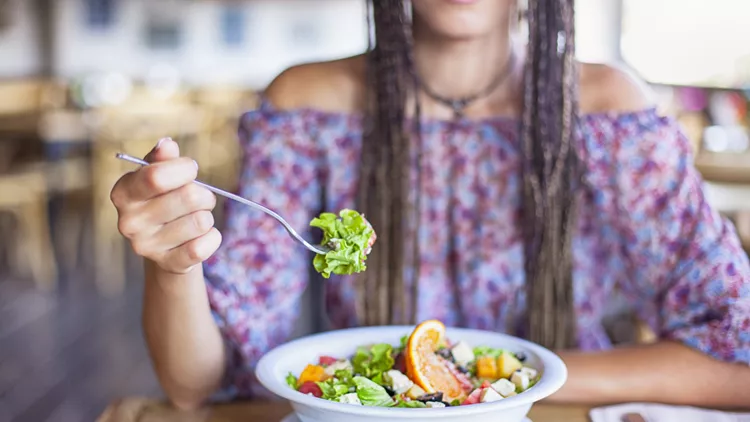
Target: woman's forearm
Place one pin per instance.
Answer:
(664, 372)
(183, 340)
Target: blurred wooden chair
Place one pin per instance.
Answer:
(20, 106)
(23, 100)
(24, 195)
(21, 95)
(65, 137)
(23, 177)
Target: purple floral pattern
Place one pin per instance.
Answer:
(644, 230)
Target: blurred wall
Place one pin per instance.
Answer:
(598, 30)
(276, 34)
(19, 46)
(273, 39)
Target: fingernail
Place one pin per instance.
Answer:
(196, 164)
(161, 141)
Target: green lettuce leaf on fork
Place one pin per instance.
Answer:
(348, 235)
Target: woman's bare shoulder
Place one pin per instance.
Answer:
(338, 86)
(335, 86)
(607, 88)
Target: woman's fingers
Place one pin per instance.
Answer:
(180, 231)
(165, 149)
(166, 217)
(184, 257)
(178, 203)
(151, 181)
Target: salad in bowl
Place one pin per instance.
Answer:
(425, 370)
(410, 374)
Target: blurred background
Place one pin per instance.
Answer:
(83, 79)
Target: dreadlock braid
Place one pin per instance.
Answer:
(384, 178)
(550, 170)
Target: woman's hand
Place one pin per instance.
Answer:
(165, 216)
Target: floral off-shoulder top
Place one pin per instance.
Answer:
(644, 229)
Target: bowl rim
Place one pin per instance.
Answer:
(554, 376)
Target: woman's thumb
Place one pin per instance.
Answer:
(165, 149)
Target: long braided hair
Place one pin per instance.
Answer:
(390, 163)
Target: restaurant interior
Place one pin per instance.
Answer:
(81, 80)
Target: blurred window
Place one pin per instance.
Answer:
(233, 25)
(162, 35)
(100, 13)
(688, 42)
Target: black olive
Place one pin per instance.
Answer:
(389, 390)
(445, 354)
(446, 404)
(462, 369)
(521, 356)
(431, 397)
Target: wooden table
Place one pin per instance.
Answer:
(149, 410)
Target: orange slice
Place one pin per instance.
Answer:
(425, 368)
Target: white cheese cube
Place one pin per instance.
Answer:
(489, 395)
(350, 398)
(504, 387)
(434, 404)
(338, 366)
(462, 353)
(511, 394)
(400, 383)
(531, 372)
(520, 379)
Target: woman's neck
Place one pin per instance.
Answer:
(456, 69)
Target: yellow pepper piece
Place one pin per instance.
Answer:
(314, 373)
(486, 367)
(507, 364)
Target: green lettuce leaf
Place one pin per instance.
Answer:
(487, 351)
(411, 404)
(332, 391)
(372, 362)
(372, 394)
(291, 380)
(335, 387)
(344, 376)
(401, 346)
(361, 361)
(348, 234)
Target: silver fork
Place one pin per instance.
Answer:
(318, 249)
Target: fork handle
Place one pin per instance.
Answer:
(240, 199)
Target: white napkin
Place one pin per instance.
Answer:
(664, 413)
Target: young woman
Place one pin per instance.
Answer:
(498, 205)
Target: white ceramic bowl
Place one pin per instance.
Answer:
(294, 356)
